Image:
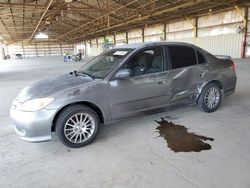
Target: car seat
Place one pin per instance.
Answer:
(141, 66)
(156, 65)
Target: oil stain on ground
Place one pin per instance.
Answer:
(179, 139)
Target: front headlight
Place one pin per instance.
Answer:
(34, 104)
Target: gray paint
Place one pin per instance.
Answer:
(121, 98)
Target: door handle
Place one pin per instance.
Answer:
(160, 82)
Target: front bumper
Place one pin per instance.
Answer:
(32, 126)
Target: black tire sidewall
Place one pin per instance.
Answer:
(66, 114)
(201, 100)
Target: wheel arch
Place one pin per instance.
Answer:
(219, 83)
(86, 103)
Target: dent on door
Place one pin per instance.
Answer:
(136, 94)
(185, 83)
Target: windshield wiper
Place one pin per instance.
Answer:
(76, 73)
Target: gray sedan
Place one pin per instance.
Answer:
(122, 82)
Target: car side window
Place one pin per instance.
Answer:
(146, 62)
(201, 58)
(182, 56)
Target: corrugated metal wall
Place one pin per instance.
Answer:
(39, 49)
(135, 36)
(217, 33)
(179, 30)
(154, 33)
(120, 39)
(94, 47)
(219, 45)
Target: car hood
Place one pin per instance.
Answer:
(49, 87)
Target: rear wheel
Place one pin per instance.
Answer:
(77, 126)
(210, 98)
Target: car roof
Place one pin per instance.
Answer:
(147, 44)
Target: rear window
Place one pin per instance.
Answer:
(182, 56)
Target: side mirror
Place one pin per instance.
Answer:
(123, 73)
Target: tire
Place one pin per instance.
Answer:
(77, 126)
(212, 103)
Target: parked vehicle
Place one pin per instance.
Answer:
(19, 56)
(121, 82)
(7, 57)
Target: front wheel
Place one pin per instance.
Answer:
(77, 126)
(210, 98)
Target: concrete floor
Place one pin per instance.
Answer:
(128, 153)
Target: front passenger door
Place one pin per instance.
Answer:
(147, 88)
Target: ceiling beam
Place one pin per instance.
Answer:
(19, 13)
(75, 29)
(41, 19)
(133, 20)
(202, 11)
(20, 5)
(13, 20)
(5, 27)
(99, 9)
(42, 7)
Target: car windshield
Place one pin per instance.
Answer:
(101, 65)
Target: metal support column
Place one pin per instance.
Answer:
(114, 40)
(61, 52)
(245, 23)
(23, 51)
(126, 37)
(36, 49)
(142, 33)
(165, 31)
(244, 15)
(195, 27)
(85, 49)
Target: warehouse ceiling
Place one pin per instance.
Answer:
(76, 20)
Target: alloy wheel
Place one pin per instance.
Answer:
(79, 128)
(212, 97)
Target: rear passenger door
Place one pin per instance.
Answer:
(185, 73)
